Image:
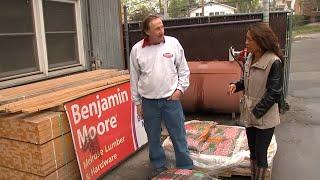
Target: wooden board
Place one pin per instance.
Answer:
(74, 95)
(69, 171)
(37, 159)
(56, 98)
(43, 87)
(36, 128)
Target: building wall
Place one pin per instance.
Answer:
(308, 8)
(106, 28)
(56, 38)
(292, 4)
(212, 9)
(297, 8)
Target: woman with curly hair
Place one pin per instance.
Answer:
(262, 86)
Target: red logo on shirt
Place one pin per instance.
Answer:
(168, 55)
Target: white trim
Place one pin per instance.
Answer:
(227, 6)
(28, 79)
(66, 71)
(19, 81)
(41, 36)
(214, 3)
(19, 76)
(65, 1)
(80, 36)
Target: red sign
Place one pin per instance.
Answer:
(102, 129)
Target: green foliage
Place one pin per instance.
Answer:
(298, 20)
(180, 8)
(138, 9)
(254, 5)
(141, 13)
(306, 29)
(247, 6)
(243, 6)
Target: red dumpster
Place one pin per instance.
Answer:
(208, 87)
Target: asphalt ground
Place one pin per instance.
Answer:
(297, 136)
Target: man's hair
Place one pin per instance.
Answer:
(145, 23)
(267, 40)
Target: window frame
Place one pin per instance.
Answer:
(44, 71)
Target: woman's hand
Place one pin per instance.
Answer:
(231, 89)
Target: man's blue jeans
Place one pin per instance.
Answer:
(170, 111)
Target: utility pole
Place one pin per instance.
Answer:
(160, 7)
(189, 7)
(202, 5)
(165, 9)
(266, 11)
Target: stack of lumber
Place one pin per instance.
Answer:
(35, 137)
(47, 94)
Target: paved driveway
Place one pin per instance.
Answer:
(298, 135)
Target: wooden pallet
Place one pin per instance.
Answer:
(69, 171)
(243, 171)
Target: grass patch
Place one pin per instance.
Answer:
(306, 29)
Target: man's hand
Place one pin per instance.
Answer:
(177, 94)
(231, 89)
(139, 111)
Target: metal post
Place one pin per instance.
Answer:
(202, 7)
(266, 10)
(165, 9)
(126, 34)
(289, 53)
(160, 6)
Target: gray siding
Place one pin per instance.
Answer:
(107, 32)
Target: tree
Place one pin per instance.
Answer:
(243, 6)
(254, 5)
(316, 5)
(180, 8)
(138, 9)
(141, 13)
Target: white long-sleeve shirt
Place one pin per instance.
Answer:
(156, 71)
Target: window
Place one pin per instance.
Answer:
(198, 14)
(40, 38)
(211, 14)
(222, 13)
(316, 9)
(61, 34)
(18, 53)
(216, 13)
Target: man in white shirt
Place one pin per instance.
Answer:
(159, 76)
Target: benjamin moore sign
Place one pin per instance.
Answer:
(104, 129)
